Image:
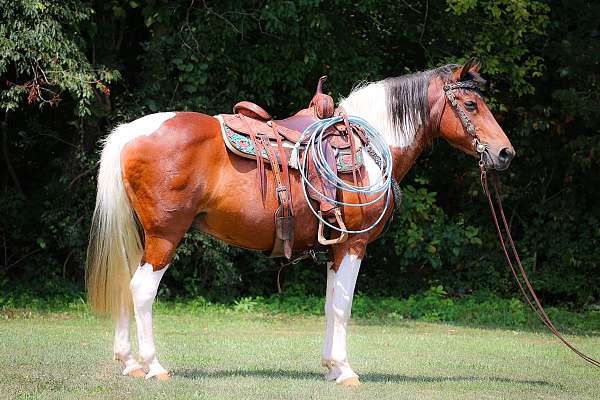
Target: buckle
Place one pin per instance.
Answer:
(479, 147)
(282, 194)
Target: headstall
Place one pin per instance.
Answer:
(469, 127)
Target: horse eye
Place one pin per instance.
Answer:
(470, 105)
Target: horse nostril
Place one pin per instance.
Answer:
(506, 155)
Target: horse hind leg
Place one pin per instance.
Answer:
(160, 244)
(144, 286)
(122, 346)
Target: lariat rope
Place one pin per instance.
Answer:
(377, 145)
(519, 273)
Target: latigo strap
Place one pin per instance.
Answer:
(284, 224)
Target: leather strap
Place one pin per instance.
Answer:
(260, 164)
(465, 121)
(350, 136)
(519, 273)
(281, 189)
(283, 239)
(284, 165)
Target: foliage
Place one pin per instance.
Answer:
(42, 54)
(425, 235)
(540, 58)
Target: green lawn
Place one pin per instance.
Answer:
(253, 356)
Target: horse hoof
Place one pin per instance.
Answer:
(164, 376)
(350, 382)
(137, 373)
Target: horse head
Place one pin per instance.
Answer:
(465, 121)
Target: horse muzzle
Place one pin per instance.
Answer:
(504, 158)
(498, 161)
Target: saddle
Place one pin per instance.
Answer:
(251, 132)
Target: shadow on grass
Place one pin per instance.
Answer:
(373, 377)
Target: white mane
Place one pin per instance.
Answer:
(370, 101)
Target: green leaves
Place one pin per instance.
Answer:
(501, 33)
(111, 61)
(42, 57)
(424, 234)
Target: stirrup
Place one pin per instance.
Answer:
(340, 221)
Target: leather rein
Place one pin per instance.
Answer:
(518, 272)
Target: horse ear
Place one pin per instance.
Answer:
(461, 72)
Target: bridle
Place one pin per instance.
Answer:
(518, 272)
(449, 87)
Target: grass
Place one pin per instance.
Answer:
(252, 355)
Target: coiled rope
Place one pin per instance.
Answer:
(377, 149)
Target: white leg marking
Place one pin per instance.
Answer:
(338, 307)
(144, 286)
(328, 321)
(122, 344)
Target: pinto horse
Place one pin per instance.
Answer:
(164, 173)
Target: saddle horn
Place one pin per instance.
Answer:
(322, 103)
(320, 84)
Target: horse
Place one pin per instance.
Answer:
(165, 173)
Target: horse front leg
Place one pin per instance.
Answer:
(341, 279)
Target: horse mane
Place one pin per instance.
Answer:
(407, 99)
(399, 106)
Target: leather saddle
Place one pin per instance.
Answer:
(251, 132)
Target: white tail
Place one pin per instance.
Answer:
(115, 247)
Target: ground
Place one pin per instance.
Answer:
(255, 356)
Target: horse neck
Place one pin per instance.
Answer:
(369, 103)
(405, 157)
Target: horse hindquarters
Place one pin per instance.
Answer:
(164, 176)
(147, 168)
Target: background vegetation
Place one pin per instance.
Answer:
(70, 70)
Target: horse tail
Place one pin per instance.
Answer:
(115, 247)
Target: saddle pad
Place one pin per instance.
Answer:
(239, 143)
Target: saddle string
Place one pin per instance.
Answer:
(379, 189)
(520, 273)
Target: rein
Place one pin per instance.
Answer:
(517, 272)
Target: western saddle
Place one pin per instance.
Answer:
(251, 132)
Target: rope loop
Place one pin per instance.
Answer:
(382, 157)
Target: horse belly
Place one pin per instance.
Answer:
(238, 215)
(253, 227)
